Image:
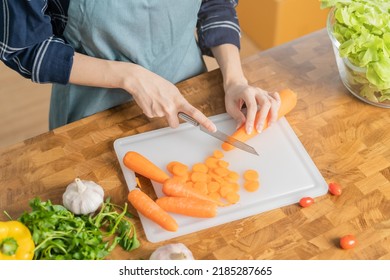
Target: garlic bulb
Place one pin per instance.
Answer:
(175, 251)
(83, 197)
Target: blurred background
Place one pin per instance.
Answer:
(24, 106)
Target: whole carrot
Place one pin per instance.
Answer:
(288, 102)
(188, 206)
(150, 209)
(143, 166)
(176, 187)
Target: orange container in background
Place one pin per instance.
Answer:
(272, 22)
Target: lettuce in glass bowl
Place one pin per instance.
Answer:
(360, 35)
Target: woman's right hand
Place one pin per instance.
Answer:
(156, 96)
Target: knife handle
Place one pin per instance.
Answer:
(187, 118)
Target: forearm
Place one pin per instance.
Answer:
(228, 59)
(95, 72)
(156, 96)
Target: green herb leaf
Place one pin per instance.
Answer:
(59, 234)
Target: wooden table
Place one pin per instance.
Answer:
(348, 140)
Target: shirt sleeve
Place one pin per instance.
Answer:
(217, 24)
(28, 43)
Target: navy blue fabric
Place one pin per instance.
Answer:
(31, 39)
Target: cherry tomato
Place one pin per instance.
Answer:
(348, 241)
(306, 201)
(334, 188)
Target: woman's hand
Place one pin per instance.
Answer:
(255, 99)
(238, 92)
(156, 96)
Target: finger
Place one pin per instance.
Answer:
(173, 121)
(201, 119)
(172, 118)
(236, 113)
(265, 105)
(275, 105)
(251, 110)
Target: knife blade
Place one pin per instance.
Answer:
(219, 135)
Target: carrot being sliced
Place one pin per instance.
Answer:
(288, 102)
(188, 206)
(143, 166)
(174, 187)
(151, 210)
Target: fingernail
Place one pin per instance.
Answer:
(214, 128)
(259, 128)
(249, 129)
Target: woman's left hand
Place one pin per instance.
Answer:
(255, 100)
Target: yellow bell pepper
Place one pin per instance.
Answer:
(15, 241)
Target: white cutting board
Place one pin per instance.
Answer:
(287, 173)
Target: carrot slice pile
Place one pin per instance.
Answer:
(214, 178)
(193, 191)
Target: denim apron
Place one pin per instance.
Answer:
(156, 34)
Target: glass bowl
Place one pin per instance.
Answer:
(354, 77)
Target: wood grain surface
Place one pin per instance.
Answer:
(348, 140)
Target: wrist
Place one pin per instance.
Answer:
(230, 81)
(127, 76)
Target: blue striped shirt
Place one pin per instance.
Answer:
(32, 44)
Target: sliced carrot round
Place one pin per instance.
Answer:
(218, 154)
(216, 178)
(213, 187)
(200, 167)
(224, 190)
(251, 186)
(235, 186)
(180, 169)
(233, 197)
(251, 175)
(199, 177)
(223, 163)
(183, 179)
(233, 176)
(221, 171)
(201, 187)
(211, 162)
(215, 196)
(170, 166)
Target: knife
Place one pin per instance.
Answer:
(219, 135)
